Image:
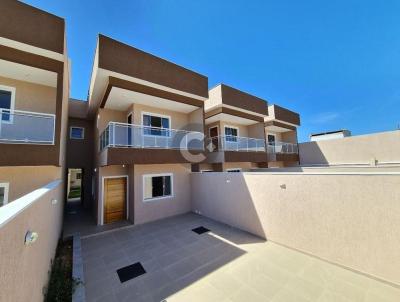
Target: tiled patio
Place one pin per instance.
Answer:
(225, 264)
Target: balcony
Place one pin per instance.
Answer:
(137, 136)
(136, 144)
(23, 127)
(281, 151)
(236, 143)
(281, 147)
(235, 149)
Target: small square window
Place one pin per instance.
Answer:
(77, 133)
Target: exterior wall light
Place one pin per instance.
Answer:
(54, 201)
(31, 237)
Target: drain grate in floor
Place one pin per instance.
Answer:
(131, 271)
(200, 230)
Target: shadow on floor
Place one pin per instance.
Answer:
(80, 220)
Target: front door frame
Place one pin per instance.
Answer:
(102, 195)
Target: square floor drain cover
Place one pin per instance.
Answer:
(131, 271)
(200, 230)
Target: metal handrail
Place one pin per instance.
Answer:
(26, 127)
(236, 143)
(118, 134)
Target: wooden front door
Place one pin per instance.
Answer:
(114, 199)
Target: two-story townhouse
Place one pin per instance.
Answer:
(148, 126)
(34, 91)
(234, 130)
(281, 136)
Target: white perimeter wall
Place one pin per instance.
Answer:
(349, 219)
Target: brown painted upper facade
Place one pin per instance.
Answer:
(143, 105)
(26, 24)
(34, 78)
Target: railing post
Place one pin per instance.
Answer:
(1, 120)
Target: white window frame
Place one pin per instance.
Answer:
(6, 186)
(160, 197)
(83, 132)
(12, 103)
(238, 170)
(102, 195)
(157, 115)
(233, 127)
(225, 136)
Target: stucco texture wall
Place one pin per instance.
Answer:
(24, 269)
(383, 147)
(32, 97)
(351, 220)
(179, 203)
(23, 180)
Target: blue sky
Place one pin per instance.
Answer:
(337, 63)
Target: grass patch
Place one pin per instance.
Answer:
(61, 284)
(74, 193)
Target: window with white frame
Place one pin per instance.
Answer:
(7, 102)
(3, 194)
(231, 134)
(157, 186)
(156, 124)
(77, 133)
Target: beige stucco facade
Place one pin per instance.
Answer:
(22, 180)
(32, 97)
(178, 203)
(378, 148)
(348, 219)
(140, 211)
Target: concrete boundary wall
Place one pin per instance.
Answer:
(351, 219)
(372, 149)
(24, 268)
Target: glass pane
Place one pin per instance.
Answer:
(5, 103)
(147, 122)
(167, 185)
(157, 186)
(148, 185)
(76, 132)
(231, 134)
(2, 196)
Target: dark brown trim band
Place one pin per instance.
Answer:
(125, 59)
(27, 24)
(237, 98)
(127, 156)
(115, 82)
(286, 115)
(279, 124)
(237, 113)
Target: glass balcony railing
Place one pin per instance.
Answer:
(281, 147)
(137, 136)
(23, 127)
(235, 143)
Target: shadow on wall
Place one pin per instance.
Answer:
(348, 219)
(232, 189)
(310, 153)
